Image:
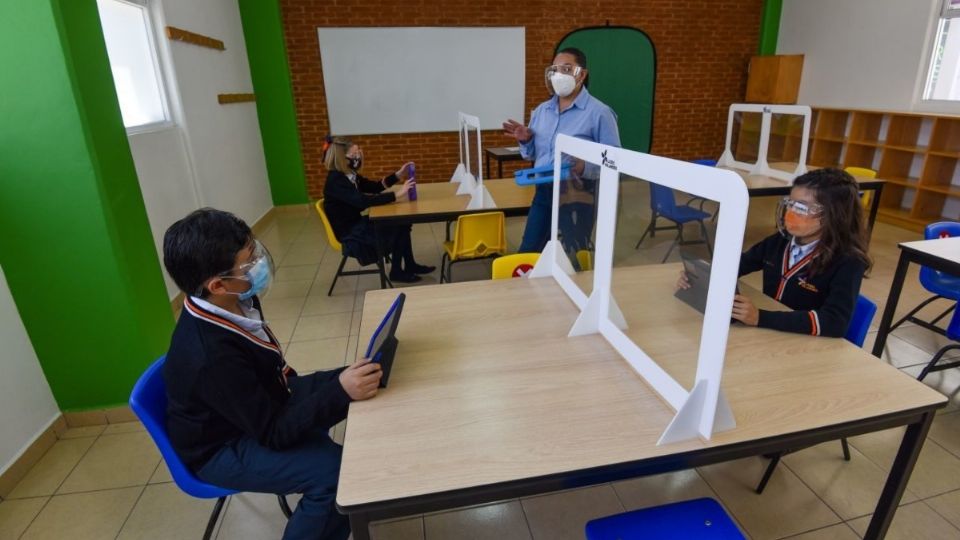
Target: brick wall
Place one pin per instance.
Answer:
(703, 48)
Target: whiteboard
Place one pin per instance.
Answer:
(416, 79)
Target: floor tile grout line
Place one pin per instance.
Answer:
(32, 521)
(526, 519)
(941, 515)
(143, 489)
(808, 486)
(817, 529)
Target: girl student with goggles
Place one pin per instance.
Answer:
(815, 263)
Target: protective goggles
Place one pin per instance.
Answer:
(260, 267)
(799, 208)
(565, 69)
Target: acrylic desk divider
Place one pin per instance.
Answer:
(761, 166)
(471, 183)
(703, 410)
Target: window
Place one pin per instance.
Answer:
(127, 31)
(943, 75)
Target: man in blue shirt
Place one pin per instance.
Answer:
(571, 111)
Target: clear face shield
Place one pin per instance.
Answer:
(797, 215)
(565, 69)
(259, 271)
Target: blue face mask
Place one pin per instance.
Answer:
(260, 277)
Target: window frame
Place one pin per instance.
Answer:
(147, 8)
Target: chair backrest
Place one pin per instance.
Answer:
(862, 172)
(585, 260)
(331, 238)
(516, 265)
(863, 314)
(479, 235)
(149, 402)
(932, 279)
(661, 199)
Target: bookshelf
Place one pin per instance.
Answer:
(916, 154)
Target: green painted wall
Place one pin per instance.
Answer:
(267, 54)
(770, 26)
(77, 249)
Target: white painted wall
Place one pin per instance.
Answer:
(27, 406)
(864, 54)
(213, 154)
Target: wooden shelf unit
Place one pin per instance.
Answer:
(917, 154)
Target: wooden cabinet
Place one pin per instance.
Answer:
(916, 154)
(774, 79)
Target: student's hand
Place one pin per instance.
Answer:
(361, 380)
(517, 130)
(682, 282)
(404, 172)
(404, 190)
(744, 310)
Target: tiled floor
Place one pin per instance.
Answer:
(109, 482)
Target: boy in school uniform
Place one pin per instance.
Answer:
(238, 415)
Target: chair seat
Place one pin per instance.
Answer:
(699, 518)
(945, 285)
(685, 214)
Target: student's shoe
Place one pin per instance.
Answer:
(421, 269)
(404, 277)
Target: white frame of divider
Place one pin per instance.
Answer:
(762, 166)
(470, 183)
(702, 410)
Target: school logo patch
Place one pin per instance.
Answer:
(803, 283)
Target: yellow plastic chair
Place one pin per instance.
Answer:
(585, 260)
(338, 247)
(477, 236)
(516, 265)
(863, 173)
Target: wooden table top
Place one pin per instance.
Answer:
(487, 388)
(441, 198)
(756, 182)
(947, 249)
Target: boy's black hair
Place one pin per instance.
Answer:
(581, 58)
(203, 245)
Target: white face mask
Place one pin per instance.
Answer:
(563, 85)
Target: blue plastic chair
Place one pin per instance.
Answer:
(149, 402)
(953, 332)
(663, 205)
(863, 313)
(940, 284)
(698, 518)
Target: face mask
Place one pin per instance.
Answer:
(260, 277)
(801, 226)
(354, 163)
(563, 85)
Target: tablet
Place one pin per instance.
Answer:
(383, 342)
(698, 274)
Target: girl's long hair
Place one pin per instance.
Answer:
(843, 230)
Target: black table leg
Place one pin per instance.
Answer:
(874, 207)
(891, 307)
(499, 168)
(360, 527)
(488, 165)
(382, 262)
(898, 477)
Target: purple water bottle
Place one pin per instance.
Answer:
(412, 194)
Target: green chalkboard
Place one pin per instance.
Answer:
(623, 72)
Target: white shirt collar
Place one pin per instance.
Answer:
(798, 252)
(251, 322)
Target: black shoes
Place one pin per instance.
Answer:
(422, 269)
(404, 277)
